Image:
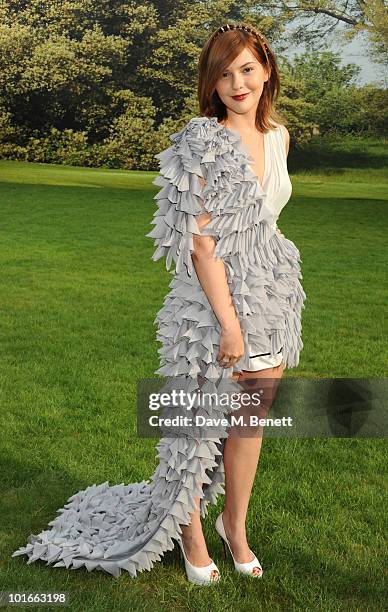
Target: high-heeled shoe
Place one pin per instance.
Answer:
(242, 568)
(200, 575)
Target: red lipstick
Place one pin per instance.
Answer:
(240, 97)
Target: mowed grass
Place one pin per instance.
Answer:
(79, 295)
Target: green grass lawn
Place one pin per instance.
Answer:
(79, 295)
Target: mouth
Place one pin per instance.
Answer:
(241, 96)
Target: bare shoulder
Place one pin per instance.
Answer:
(286, 135)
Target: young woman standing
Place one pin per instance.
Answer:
(233, 315)
(239, 105)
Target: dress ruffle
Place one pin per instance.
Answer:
(129, 527)
(262, 266)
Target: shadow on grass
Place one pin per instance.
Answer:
(333, 577)
(337, 154)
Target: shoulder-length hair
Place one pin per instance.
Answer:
(218, 53)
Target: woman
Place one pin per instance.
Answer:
(232, 315)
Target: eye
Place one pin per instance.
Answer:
(250, 68)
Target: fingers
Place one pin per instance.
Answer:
(227, 361)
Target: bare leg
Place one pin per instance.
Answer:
(241, 457)
(194, 541)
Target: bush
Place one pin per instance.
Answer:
(59, 147)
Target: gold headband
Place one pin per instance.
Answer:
(248, 29)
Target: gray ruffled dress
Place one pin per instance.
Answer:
(130, 526)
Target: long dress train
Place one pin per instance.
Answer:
(129, 527)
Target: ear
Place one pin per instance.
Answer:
(267, 74)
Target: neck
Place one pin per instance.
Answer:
(245, 124)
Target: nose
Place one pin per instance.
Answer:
(237, 82)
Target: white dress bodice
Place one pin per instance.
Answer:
(276, 181)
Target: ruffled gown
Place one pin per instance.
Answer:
(130, 526)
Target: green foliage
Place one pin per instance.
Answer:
(107, 83)
(130, 143)
(59, 146)
(373, 109)
(344, 18)
(293, 102)
(330, 98)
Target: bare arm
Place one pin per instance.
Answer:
(212, 276)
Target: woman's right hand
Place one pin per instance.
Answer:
(231, 345)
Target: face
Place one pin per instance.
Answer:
(245, 75)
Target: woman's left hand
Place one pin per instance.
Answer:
(278, 230)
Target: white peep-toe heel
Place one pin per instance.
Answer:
(200, 575)
(242, 568)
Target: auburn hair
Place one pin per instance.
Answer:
(221, 48)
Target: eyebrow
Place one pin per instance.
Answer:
(246, 64)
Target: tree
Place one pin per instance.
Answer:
(107, 82)
(318, 18)
(329, 89)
